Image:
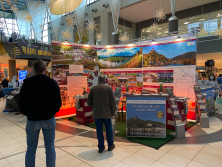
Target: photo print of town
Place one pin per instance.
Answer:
(62, 54)
(120, 58)
(173, 54)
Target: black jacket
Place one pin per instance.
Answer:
(4, 83)
(39, 98)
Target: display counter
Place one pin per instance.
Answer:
(83, 111)
(205, 100)
(7, 92)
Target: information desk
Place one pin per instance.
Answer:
(7, 91)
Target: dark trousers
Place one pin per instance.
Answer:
(99, 131)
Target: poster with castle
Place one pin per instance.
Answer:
(120, 58)
(146, 117)
(170, 54)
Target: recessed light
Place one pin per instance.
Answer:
(219, 15)
(186, 22)
(201, 19)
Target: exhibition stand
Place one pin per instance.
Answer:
(136, 69)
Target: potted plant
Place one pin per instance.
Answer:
(127, 88)
(161, 88)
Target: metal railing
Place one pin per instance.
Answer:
(20, 47)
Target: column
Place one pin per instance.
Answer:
(12, 68)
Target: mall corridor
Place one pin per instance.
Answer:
(76, 146)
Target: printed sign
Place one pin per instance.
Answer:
(22, 75)
(146, 117)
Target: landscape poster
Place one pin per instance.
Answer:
(146, 117)
(172, 54)
(120, 58)
(64, 54)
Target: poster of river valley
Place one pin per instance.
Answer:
(120, 58)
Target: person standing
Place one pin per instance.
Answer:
(40, 100)
(4, 83)
(212, 81)
(101, 99)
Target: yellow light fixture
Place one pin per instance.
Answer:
(86, 45)
(179, 38)
(131, 44)
(108, 46)
(153, 42)
(64, 6)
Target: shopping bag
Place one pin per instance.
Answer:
(219, 100)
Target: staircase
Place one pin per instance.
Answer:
(20, 50)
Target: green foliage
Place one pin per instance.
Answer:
(68, 56)
(161, 87)
(67, 48)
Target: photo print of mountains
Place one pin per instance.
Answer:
(120, 58)
(173, 54)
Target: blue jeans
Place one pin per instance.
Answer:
(99, 131)
(32, 130)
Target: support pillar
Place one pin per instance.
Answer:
(115, 37)
(12, 69)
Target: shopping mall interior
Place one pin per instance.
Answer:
(162, 59)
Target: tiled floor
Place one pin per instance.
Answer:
(76, 146)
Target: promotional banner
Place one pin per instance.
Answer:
(210, 99)
(120, 58)
(22, 75)
(72, 64)
(170, 54)
(146, 117)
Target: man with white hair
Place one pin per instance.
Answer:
(102, 100)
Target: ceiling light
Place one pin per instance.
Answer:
(201, 19)
(159, 33)
(159, 28)
(186, 22)
(219, 15)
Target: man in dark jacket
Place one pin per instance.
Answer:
(40, 100)
(101, 99)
